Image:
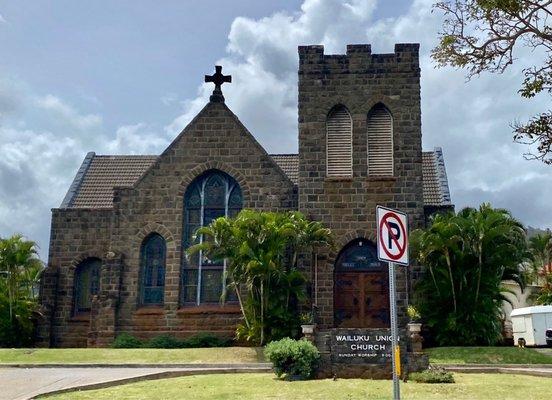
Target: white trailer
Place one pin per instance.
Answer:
(529, 325)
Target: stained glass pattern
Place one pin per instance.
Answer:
(212, 195)
(153, 255)
(87, 283)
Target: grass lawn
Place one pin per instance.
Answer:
(265, 386)
(221, 355)
(486, 355)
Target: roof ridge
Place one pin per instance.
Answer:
(77, 181)
(127, 155)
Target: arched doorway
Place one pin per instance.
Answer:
(361, 287)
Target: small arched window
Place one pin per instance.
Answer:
(380, 141)
(339, 143)
(210, 196)
(152, 270)
(87, 284)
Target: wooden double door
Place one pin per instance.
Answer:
(361, 288)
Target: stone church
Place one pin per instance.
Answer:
(116, 256)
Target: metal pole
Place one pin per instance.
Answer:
(395, 355)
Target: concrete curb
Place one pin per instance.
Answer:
(155, 376)
(500, 369)
(98, 365)
(494, 365)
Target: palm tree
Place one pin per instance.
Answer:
(439, 242)
(256, 247)
(468, 255)
(541, 250)
(20, 266)
(487, 233)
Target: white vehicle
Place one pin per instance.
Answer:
(532, 326)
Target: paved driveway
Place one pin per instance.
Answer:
(25, 383)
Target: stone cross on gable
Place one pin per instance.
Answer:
(218, 79)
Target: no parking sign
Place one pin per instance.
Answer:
(392, 227)
(392, 235)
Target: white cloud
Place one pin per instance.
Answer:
(2, 19)
(60, 109)
(136, 139)
(169, 99)
(43, 140)
(262, 58)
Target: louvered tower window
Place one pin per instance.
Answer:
(339, 143)
(380, 141)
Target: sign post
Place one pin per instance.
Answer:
(393, 248)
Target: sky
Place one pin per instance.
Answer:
(125, 77)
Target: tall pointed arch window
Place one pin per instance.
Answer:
(152, 270)
(210, 196)
(87, 284)
(380, 141)
(339, 143)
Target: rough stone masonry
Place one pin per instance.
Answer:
(116, 203)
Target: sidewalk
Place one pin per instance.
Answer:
(24, 383)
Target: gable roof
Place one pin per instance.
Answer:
(93, 185)
(100, 174)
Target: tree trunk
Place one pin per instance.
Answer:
(480, 259)
(236, 287)
(262, 312)
(447, 256)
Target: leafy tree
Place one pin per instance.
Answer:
(544, 296)
(481, 36)
(261, 251)
(20, 270)
(467, 256)
(541, 251)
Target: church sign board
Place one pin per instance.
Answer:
(361, 346)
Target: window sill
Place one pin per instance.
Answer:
(150, 310)
(210, 309)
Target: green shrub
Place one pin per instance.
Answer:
(164, 342)
(432, 375)
(126, 341)
(293, 357)
(19, 330)
(206, 340)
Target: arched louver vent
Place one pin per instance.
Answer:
(339, 143)
(380, 142)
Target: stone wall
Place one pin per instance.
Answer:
(215, 139)
(75, 236)
(359, 80)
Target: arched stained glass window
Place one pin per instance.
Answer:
(152, 267)
(87, 283)
(210, 196)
